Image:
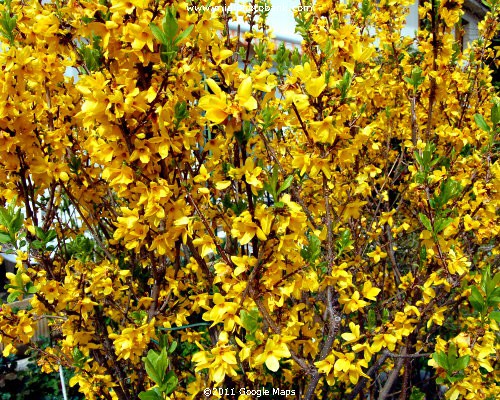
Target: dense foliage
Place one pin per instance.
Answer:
(29, 383)
(193, 210)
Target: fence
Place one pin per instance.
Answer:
(42, 329)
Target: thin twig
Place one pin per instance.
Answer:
(392, 376)
(87, 223)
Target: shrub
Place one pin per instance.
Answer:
(323, 222)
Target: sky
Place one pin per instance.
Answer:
(283, 24)
(280, 18)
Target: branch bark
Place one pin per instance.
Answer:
(384, 393)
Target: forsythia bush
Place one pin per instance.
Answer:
(191, 209)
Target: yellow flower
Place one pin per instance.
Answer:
(326, 365)
(370, 292)
(384, 340)
(206, 243)
(220, 55)
(216, 105)
(244, 229)
(352, 304)
(457, 263)
(128, 6)
(203, 175)
(354, 335)
(362, 53)
(242, 263)
(139, 35)
(252, 174)
(244, 95)
(220, 361)
(315, 86)
(50, 291)
(274, 351)
(470, 224)
(46, 25)
(323, 131)
(377, 254)
(223, 311)
(25, 327)
(131, 342)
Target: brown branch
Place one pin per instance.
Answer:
(151, 108)
(295, 191)
(302, 124)
(371, 373)
(87, 223)
(332, 316)
(221, 251)
(309, 369)
(392, 257)
(246, 62)
(392, 376)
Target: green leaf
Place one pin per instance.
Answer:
(449, 190)
(371, 319)
(485, 278)
(4, 217)
(180, 112)
(158, 33)
(286, 184)
(495, 114)
(460, 363)
(274, 178)
(416, 394)
(441, 224)
(163, 341)
(78, 358)
(154, 365)
(51, 235)
(493, 300)
(366, 8)
(440, 381)
(476, 299)
(419, 159)
(170, 383)
(491, 284)
(170, 25)
(272, 183)
(184, 34)
(313, 250)
(455, 377)
(151, 394)
(162, 365)
(441, 360)
(5, 238)
(31, 289)
(425, 221)
(14, 296)
(8, 24)
(481, 123)
(40, 234)
(17, 222)
(452, 353)
(250, 320)
(172, 347)
(385, 315)
(495, 316)
(37, 244)
(416, 78)
(344, 241)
